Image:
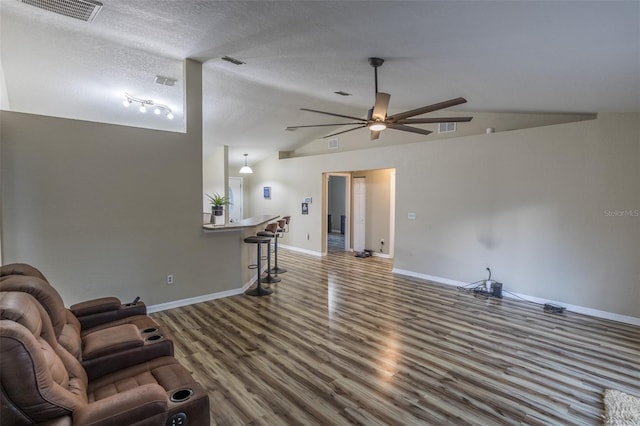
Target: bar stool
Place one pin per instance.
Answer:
(269, 232)
(287, 219)
(279, 231)
(259, 290)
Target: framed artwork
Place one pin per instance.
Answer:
(267, 192)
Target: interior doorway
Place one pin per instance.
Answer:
(376, 216)
(338, 212)
(236, 208)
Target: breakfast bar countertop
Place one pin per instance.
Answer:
(244, 223)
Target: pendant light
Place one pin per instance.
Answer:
(246, 169)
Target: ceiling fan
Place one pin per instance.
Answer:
(377, 119)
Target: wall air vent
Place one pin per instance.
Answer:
(85, 10)
(446, 127)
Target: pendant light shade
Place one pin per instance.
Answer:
(246, 169)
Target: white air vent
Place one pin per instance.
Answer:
(446, 127)
(85, 10)
(165, 81)
(333, 143)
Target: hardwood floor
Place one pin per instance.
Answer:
(343, 340)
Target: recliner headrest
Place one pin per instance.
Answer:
(46, 295)
(22, 308)
(21, 269)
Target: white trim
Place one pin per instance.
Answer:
(573, 308)
(192, 300)
(383, 255)
(300, 250)
(428, 277)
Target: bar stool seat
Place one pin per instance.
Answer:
(269, 279)
(258, 290)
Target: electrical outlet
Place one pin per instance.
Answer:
(169, 279)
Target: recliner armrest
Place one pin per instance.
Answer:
(111, 340)
(95, 306)
(124, 408)
(106, 309)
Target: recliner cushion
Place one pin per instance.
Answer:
(165, 371)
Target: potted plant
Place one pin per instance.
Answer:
(217, 207)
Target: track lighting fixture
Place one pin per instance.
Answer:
(246, 169)
(144, 103)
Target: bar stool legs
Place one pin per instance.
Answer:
(269, 279)
(258, 290)
(281, 227)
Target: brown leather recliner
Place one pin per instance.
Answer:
(102, 349)
(90, 313)
(42, 383)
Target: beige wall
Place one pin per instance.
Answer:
(536, 205)
(111, 210)
(501, 121)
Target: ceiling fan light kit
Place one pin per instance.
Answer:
(377, 119)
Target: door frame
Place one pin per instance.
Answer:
(347, 210)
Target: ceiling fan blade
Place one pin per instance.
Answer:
(330, 113)
(344, 131)
(320, 125)
(433, 120)
(426, 109)
(380, 107)
(408, 129)
(375, 135)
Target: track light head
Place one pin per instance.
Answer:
(158, 109)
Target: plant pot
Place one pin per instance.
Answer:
(217, 215)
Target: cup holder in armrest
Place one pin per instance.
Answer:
(150, 330)
(153, 338)
(181, 395)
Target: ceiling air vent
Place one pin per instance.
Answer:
(234, 61)
(85, 10)
(333, 144)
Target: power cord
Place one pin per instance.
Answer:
(477, 288)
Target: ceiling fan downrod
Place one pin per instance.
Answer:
(375, 63)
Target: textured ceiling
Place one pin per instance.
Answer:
(502, 56)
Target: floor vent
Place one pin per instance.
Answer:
(85, 10)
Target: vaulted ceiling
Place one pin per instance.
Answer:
(524, 56)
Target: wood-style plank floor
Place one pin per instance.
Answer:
(342, 340)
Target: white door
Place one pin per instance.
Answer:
(359, 210)
(235, 198)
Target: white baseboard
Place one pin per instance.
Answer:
(192, 300)
(301, 250)
(573, 308)
(382, 255)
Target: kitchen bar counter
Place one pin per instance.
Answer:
(249, 222)
(247, 252)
